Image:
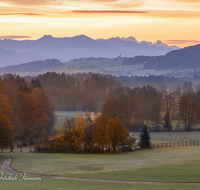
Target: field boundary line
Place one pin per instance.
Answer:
(5, 166)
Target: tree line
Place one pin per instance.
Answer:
(133, 106)
(25, 110)
(80, 92)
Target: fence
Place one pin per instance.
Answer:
(18, 149)
(175, 144)
(153, 145)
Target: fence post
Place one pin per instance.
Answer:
(2, 150)
(20, 148)
(11, 149)
(30, 149)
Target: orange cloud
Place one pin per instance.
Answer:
(107, 11)
(181, 43)
(22, 14)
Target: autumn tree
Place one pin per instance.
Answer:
(111, 108)
(127, 106)
(188, 109)
(5, 109)
(117, 133)
(45, 139)
(32, 115)
(149, 103)
(63, 142)
(170, 104)
(47, 106)
(79, 133)
(100, 134)
(6, 126)
(69, 125)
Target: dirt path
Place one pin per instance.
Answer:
(7, 168)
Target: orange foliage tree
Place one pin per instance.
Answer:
(32, 115)
(6, 126)
(111, 108)
(46, 105)
(100, 133)
(117, 132)
(79, 133)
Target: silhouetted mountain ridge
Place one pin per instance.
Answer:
(67, 48)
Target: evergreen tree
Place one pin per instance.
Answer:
(145, 138)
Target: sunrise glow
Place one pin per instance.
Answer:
(175, 22)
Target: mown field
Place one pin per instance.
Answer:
(172, 164)
(60, 184)
(178, 164)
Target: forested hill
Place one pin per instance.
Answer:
(34, 66)
(185, 58)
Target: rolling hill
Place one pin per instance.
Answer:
(186, 58)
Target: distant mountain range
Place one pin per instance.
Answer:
(186, 58)
(14, 52)
(157, 44)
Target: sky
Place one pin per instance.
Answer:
(174, 22)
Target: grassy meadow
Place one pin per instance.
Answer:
(177, 164)
(60, 184)
(171, 164)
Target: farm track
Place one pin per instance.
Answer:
(7, 168)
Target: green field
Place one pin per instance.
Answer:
(161, 164)
(59, 184)
(176, 164)
(172, 164)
